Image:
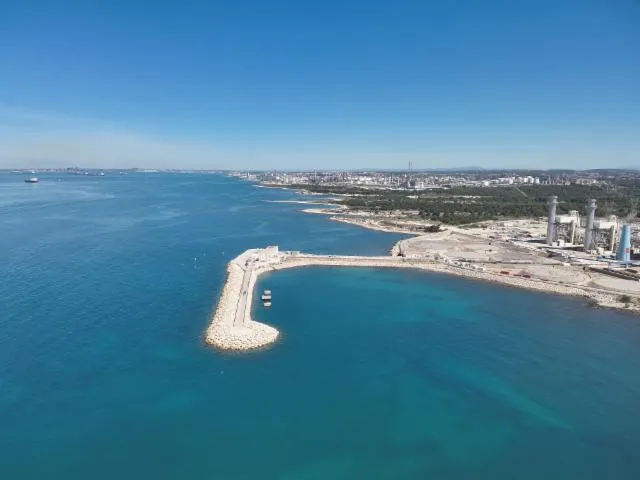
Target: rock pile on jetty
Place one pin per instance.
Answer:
(222, 333)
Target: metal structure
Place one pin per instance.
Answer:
(624, 247)
(567, 228)
(589, 243)
(561, 229)
(605, 233)
(551, 222)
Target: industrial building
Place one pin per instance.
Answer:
(594, 235)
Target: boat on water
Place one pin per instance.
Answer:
(31, 180)
(266, 297)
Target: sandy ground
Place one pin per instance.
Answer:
(612, 283)
(459, 244)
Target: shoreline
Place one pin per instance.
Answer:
(336, 214)
(335, 207)
(232, 327)
(334, 210)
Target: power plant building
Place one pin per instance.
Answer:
(604, 234)
(589, 243)
(551, 223)
(567, 227)
(596, 235)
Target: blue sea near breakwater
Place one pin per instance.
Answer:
(106, 288)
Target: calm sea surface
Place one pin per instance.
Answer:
(106, 287)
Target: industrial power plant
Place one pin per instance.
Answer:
(593, 236)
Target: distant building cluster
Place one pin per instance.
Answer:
(511, 181)
(415, 180)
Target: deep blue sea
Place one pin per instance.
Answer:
(106, 288)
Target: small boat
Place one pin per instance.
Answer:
(267, 304)
(266, 296)
(31, 180)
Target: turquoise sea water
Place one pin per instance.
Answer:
(107, 285)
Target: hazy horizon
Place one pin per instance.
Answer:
(363, 85)
(312, 170)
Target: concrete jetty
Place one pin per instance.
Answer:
(232, 328)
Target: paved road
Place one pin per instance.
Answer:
(242, 301)
(523, 193)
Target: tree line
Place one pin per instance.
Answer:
(468, 204)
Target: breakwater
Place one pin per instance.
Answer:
(232, 327)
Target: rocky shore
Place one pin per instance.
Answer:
(342, 214)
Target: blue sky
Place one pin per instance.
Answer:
(331, 84)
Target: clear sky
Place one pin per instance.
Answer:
(324, 84)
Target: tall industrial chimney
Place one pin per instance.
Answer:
(551, 222)
(624, 249)
(588, 231)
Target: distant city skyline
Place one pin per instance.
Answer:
(290, 85)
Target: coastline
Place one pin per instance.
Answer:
(232, 327)
(337, 214)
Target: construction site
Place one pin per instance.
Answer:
(572, 249)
